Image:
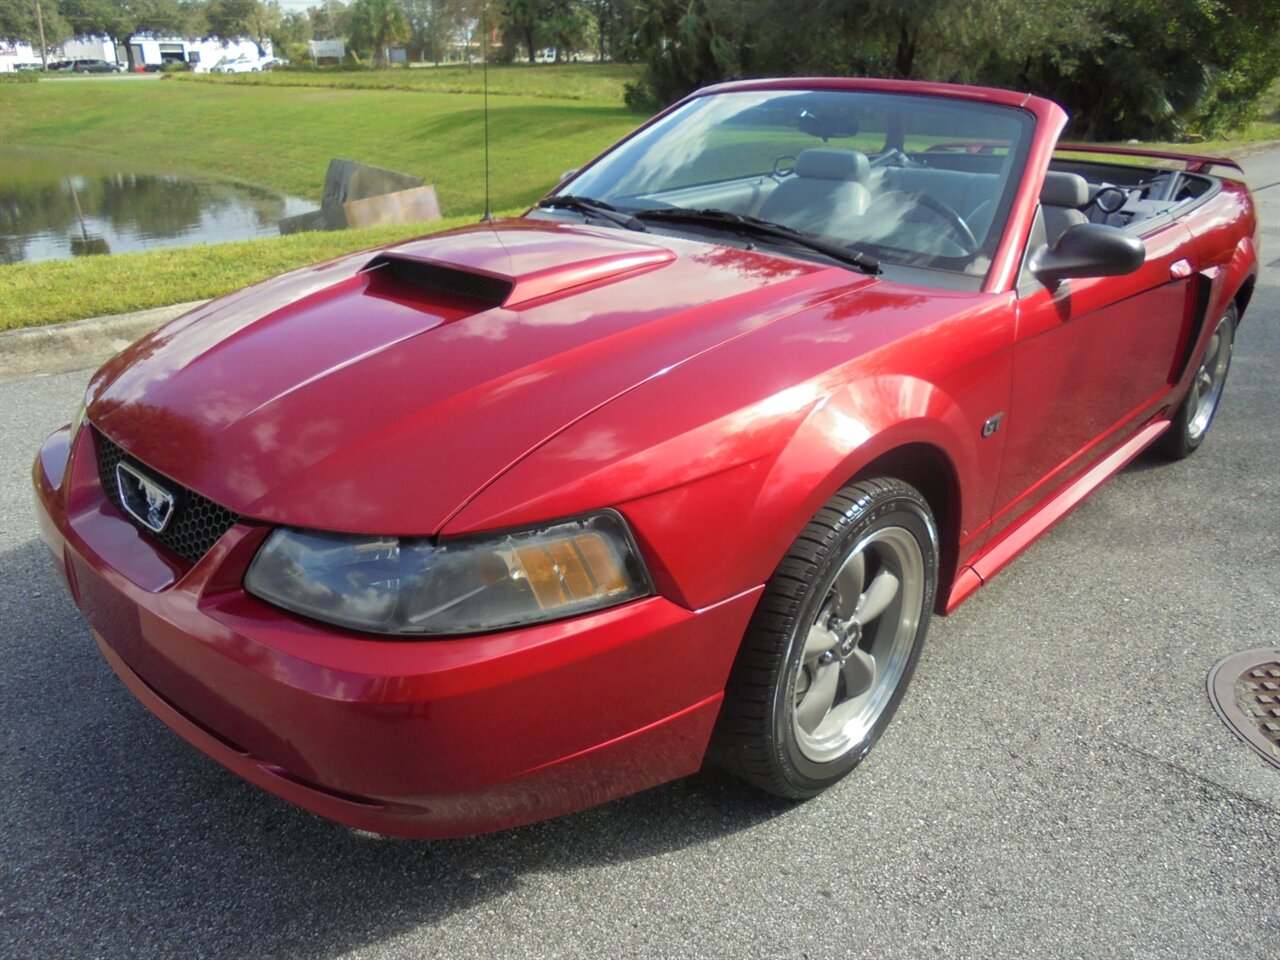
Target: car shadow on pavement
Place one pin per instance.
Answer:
(118, 838)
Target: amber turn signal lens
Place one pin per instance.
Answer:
(571, 570)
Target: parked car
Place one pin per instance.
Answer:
(502, 522)
(236, 65)
(95, 66)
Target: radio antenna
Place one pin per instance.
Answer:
(484, 70)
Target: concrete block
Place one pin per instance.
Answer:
(314, 220)
(403, 206)
(348, 180)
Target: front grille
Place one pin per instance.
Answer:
(197, 521)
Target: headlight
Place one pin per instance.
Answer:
(420, 587)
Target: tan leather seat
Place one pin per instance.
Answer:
(1062, 201)
(826, 190)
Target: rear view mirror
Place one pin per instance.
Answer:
(827, 127)
(1089, 250)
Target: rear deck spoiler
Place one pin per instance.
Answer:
(1195, 163)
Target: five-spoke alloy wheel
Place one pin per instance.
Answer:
(833, 642)
(1195, 415)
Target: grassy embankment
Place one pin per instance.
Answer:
(282, 137)
(55, 291)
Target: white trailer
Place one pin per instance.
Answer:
(89, 48)
(17, 55)
(199, 53)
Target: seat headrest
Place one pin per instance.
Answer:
(1065, 190)
(833, 165)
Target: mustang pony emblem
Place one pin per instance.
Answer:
(145, 500)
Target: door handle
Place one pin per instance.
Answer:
(1180, 269)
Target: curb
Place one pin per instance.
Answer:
(37, 351)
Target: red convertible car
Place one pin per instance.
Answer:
(503, 522)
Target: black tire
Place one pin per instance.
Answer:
(1196, 412)
(765, 734)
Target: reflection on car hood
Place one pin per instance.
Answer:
(380, 400)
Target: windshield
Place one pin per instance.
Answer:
(924, 181)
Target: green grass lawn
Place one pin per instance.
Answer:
(599, 82)
(282, 137)
(55, 291)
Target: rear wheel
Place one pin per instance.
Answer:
(1195, 415)
(833, 642)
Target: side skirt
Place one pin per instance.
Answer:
(996, 555)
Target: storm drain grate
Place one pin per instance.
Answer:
(1245, 690)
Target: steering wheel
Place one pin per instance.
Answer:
(1110, 198)
(960, 232)
(893, 157)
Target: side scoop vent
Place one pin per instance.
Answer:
(404, 276)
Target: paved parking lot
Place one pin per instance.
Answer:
(1056, 783)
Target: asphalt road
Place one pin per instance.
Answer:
(1055, 784)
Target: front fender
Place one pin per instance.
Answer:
(855, 427)
(715, 508)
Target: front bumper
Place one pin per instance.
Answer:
(429, 738)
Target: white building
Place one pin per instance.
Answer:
(16, 54)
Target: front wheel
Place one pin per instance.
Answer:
(833, 642)
(1195, 415)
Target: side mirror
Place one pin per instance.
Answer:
(1089, 250)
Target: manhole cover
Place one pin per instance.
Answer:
(1245, 690)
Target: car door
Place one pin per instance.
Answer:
(1094, 359)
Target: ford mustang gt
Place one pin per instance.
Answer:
(499, 523)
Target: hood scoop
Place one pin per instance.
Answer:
(507, 268)
(412, 278)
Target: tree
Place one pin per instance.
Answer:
(1163, 68)
(375, 25)
(525, 19)
(1122, 68)
(614, 22)
(161, 17)
(293, 29)
(229, 19)
(433, 24)
(566, 26)
(18, 22)
(688, 44)
(105, 18)
(330, 20)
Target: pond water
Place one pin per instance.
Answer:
(57, 216)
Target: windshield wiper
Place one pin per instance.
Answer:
(743, 223)
(592, 208)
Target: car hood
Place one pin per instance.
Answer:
(378, 393)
